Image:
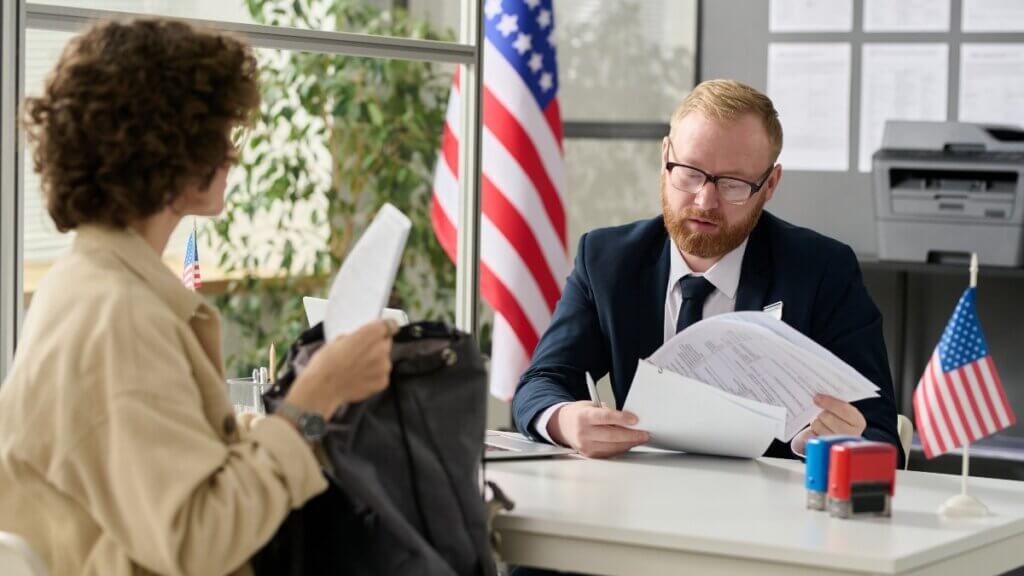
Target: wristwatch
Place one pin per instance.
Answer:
(310, 424)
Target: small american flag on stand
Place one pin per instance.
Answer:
(960, 398)
(190, 275)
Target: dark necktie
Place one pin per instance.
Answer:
(695, 290)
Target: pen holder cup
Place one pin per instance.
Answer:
(247, 395)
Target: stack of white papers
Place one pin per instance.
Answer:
(361, 288)
(730, 384)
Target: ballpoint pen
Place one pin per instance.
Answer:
(594, 398)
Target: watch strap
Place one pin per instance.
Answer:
(310, 425)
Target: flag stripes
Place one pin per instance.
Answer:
(190, 276)
(523, 249)
(960, 398)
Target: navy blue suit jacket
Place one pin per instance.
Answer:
(612, 314)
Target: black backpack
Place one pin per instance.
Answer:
(403, 467)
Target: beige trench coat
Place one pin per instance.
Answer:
(119, 450)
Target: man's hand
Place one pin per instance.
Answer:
(595, 432)
(836, 417)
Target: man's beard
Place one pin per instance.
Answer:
(701, 244)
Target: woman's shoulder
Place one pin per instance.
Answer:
(91, 329)
(95, 292)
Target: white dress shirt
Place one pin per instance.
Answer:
(724, 276)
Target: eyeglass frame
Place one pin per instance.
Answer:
(755, 187)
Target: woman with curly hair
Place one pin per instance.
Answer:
(119, 450)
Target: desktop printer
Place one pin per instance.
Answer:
(946, 189)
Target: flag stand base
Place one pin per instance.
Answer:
(963, 506)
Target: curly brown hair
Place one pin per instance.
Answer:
(133, 112)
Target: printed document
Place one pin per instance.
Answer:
(729, 384)
(900, 81)
(810, 16)
(907, 16)
(992, 83)
(810, 85)
(992, 16)
(361, 288)
(683, 414)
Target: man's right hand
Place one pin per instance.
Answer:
(596, 432)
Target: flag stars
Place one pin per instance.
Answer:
(533, 4)
(523, 43)
(544, 19)
(536, 62)
(547, 81)
(509, 24)
(551, 40)
(492, 9)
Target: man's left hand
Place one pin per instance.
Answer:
(836, 417)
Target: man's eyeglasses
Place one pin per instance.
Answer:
(691, 179)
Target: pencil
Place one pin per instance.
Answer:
(273, 364)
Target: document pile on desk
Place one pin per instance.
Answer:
(731, 383)
(361, 288)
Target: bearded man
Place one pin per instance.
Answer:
(713, 250)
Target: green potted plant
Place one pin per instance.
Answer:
(336, 137)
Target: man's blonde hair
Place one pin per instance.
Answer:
(727, 100)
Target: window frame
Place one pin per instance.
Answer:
(12, 17)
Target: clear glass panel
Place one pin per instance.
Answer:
(435, 19)
(610, 182)
(625, 60)
(42, 243)
(337, 136)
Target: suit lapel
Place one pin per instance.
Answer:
(651, 303)
(755, 275)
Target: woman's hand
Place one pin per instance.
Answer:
(348, 369)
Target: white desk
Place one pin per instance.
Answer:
(674, 514)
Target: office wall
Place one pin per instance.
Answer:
(734, 40)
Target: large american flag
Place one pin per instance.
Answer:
(960, 398)
(190, 275)
(523, 239)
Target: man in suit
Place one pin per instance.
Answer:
(713, 250)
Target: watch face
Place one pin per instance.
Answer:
(313, 426)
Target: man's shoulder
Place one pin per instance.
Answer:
(627, 237)
(618, 251)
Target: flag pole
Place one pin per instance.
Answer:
(962, 505)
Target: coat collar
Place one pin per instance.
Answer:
(132, 250)
(755, 273)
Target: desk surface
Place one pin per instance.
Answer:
(724, 515)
